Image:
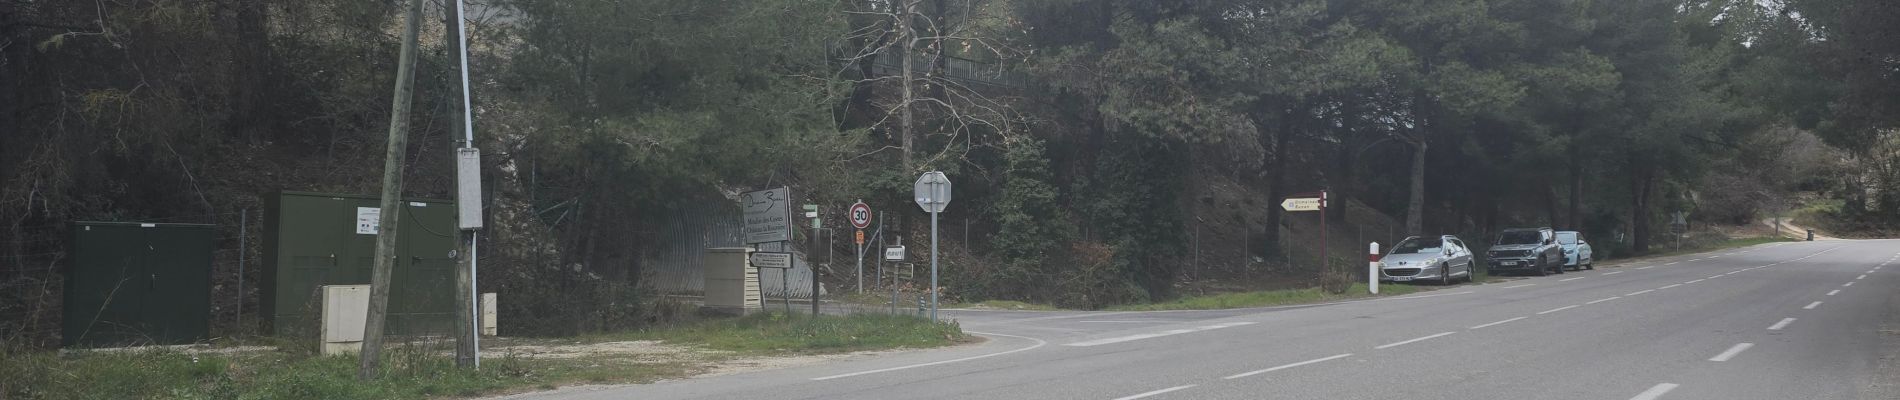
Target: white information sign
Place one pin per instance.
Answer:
(1301, 204)
(894, 253)
(368, 220)
(768, 215)
(772, 260)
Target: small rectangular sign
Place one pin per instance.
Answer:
(368, 219)
(1301, 204)
(772, 260)
(894, 253)
(768, 215)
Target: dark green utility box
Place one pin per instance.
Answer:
(317, 239)
(133, 283)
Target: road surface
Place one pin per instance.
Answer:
(1802, 320)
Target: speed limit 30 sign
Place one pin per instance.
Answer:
(860, 215)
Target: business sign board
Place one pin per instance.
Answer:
(772, 260)
(768, 215)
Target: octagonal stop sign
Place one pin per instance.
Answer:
(932, 191)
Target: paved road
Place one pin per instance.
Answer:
(1805, 320)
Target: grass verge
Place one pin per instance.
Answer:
(427, 371)
(1268, 298)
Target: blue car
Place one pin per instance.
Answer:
(1577, 252)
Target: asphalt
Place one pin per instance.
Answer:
(1733, 324)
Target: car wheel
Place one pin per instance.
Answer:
(1444, 274)
(1542, 270)
(1591, 266)
(1560, 267)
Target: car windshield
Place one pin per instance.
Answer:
(1520, 237)
(1419, 245)
(1567, 237)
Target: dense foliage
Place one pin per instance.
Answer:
(1090, 139)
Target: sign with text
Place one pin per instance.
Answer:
(772, 260)
(368, 220)
(768, 215)
(894, 253)
(1301, 204)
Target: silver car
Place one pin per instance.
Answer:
(1443, 259)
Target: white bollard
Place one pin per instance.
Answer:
(1372, 268)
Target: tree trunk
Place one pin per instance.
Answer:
(908, 42)
(1641, 184)
(1553, 218)
(385, 262)
(1576, 190)
(1276, 188)
(1415, 207)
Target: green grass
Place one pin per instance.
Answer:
(1267, 298)
(426, 370)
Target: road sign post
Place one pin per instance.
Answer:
(932, 192)
(861, 218)
(1315, 203)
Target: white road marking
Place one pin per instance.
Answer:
(1127, 322)
(1673, 263)
(1734, 272)
(1655, 391)
(1648, 267)
(1171, 332)
(1557, 309)
(1847, 284)
(1783, 324)
(1713, 276)
(1429, 295)
(1694, 281)
(1640, 292)
(1604, 299)
(1039, 343)
(1570, 279)
(1312, 361)
(1519, 286)
(1497, 323)
(1862, 276)
(1732, 351)
(1410, 341)
(1670, 286)
(1613, 272)
(1154, 392)
(1811, 306)
(1833, 292)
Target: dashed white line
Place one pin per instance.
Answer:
(1119, 339)
(1125, 322)
(1570, 279)
(1655, 391)
(1604, 299)
(1557, 309)
(1039, 343)
(1783, 324)
(1694, 281)
(1670, 286)
(1713, 276)
(1640, 292)
(1833, 292)
(1673, 263)
(1613, 272)
(1847, 284)
(1155, 392)
(1497, 323)
(1648, 267)
(1312, 361)
(1732, 352)
(1410, 341)
(1811, 306)
(1862, 276)
(1519, 286)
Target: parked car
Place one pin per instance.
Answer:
(1577, 252)
(1532, 250)
(1443, 259)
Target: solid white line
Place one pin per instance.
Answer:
(1811, 306)
(1783, 324)
(1557, 309)
(1171, 332)
(1127, 322)
(1833, 292)
(1391, 345)
(1603, 299)
(1155, 392)
(1732, 351)
(1497, 323)
(1640, 292)
(1039, 343)
(1694, 281)
(1655, 391)
(1847, 284)
(1862, 276)
(1613, 272)
(1571, 279)
(1670, 286)
(1312, 361)
(1429, 295)
(1519, 286)
(1648, 267)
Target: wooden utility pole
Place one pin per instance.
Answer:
(465, 316)
(392, 197)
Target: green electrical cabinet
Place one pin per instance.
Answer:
(134, 283)
(317, 239)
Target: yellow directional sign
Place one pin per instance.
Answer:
(1301, 204)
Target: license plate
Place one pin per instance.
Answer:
(1401, 278)
(1507, 263)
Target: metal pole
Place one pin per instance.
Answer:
(860, 259)
(933, 266)
(475, 295)
(814, 272)
(900, 243)
(1322, 233)
(244, 224)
